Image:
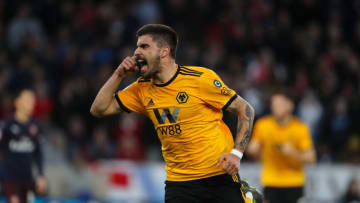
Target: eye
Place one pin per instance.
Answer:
(143, 46)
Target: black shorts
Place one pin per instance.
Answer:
(17, 189)
(216, 189)
(283, 194)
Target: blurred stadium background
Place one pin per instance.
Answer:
(67, 49)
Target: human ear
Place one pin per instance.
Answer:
(165, 51)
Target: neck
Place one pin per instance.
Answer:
(21, 117)
(282, 121)
(167, 71)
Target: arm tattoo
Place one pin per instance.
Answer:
(245, 125)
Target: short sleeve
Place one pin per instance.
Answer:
(304, 139)
(129, 99)
(215, 92)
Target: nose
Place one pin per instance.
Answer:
(137, 52)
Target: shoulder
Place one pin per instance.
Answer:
(299, 123)
(9, 126)
(202, 75)
(34, 128)
(6, 123)
(196, 71)
(265, 119)
(34, 123)
(142, 81)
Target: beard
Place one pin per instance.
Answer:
(153, 68)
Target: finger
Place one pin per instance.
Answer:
(235, 164)
(133, 58)
(236, 169)
(221, 159)
(234, 172)
(127, 58)
(129, 68)
(230, 172)
(131, 61)
(128, 64)
(230, 168)
(226, 166)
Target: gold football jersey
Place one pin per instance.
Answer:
(187, 115)
(280, 170)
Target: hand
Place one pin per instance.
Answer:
(40, 185)
(127, 65)
(288, 149)
(231, 165)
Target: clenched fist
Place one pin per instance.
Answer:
(231, 164)
(127, 65)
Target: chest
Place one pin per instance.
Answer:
(21, 138)
(280, 135)
(169, 105)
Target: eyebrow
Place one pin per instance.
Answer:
(142, 45)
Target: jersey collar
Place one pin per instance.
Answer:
(172, 79)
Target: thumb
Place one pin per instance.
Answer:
(221, 159)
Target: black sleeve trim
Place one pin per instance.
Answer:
(229, 102)
(122, 106)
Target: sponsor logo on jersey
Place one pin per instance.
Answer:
(161, 118)
(182, 97)
(15, 129)
(217, 83)
(33, 130)
(171, 130)
(22, 145)
(225, 91)
(150, 103)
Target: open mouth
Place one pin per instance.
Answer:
(140, 63)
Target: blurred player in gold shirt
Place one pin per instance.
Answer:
(185, 104)
(284, 144)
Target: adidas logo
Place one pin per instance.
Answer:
(151, 103)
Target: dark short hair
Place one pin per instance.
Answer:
(18, 91)
(286, 92)
(162, 34)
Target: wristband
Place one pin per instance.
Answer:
(237, 153)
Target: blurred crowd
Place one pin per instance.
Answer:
(66, 50)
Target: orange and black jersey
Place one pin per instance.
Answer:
(187, 115)
(280, 170)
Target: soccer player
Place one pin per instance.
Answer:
(284, 144)
(19, 146)
(186, 105)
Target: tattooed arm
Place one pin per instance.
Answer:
(245, 114)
